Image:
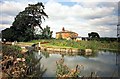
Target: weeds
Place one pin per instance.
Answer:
(93, 44)
(16, 65)
(65, 72)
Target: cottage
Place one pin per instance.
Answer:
(65, 34)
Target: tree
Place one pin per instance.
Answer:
(47, 33)
(8, 34)
(32, 15)
(25, 21)
(93, 35)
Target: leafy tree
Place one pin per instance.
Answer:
(8, 34)
(22, 28)
(32, 16)
(47, 33)
(93, 35)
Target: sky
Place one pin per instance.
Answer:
(80, 16)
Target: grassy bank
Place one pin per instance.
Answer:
(94, 45)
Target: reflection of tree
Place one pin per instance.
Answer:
(46, 54)
(34, 67)
(94, 54)
(62, 55)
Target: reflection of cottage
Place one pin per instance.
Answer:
(65, 34)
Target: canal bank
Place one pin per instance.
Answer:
(63, 50)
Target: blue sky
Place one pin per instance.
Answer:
(81, 16)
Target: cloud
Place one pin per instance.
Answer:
(81, 17)
(103, 28)
(6, 19)
(94, 0)
(107, 20)
(11, 8)
(77, 11)
(3, 26)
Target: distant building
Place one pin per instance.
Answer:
(79, 38)
(65, 34)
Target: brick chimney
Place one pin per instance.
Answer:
(63, 29)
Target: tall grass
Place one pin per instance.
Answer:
(93, 44)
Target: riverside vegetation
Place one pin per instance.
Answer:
(92, 44)
(16, 65)
(64, 72)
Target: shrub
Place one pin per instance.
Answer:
(11, 49)
(64, 71)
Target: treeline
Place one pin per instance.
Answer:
(111, 39)
(96, 36)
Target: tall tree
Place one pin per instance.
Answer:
(32, 15)
(25, 21)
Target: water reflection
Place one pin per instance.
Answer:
(102, 62)
(47, 54)
(39, 53)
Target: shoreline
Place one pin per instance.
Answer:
(65, 49)
(47, 46)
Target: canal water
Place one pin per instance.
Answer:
(103, 63)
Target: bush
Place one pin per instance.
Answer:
(64, 71)
(11, 49)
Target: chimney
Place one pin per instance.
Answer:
(63, 29)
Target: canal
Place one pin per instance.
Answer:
(103, 63)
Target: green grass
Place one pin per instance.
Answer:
(94, 45)
(54, 46)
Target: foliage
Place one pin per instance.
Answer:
(93, 36)
(65, 72)
(73, 44)
(11, 49)
(46, 34)
(108, 39)
(8, 34)
(34, 69)
(28, 68)
(22, 28)
(92, 44)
